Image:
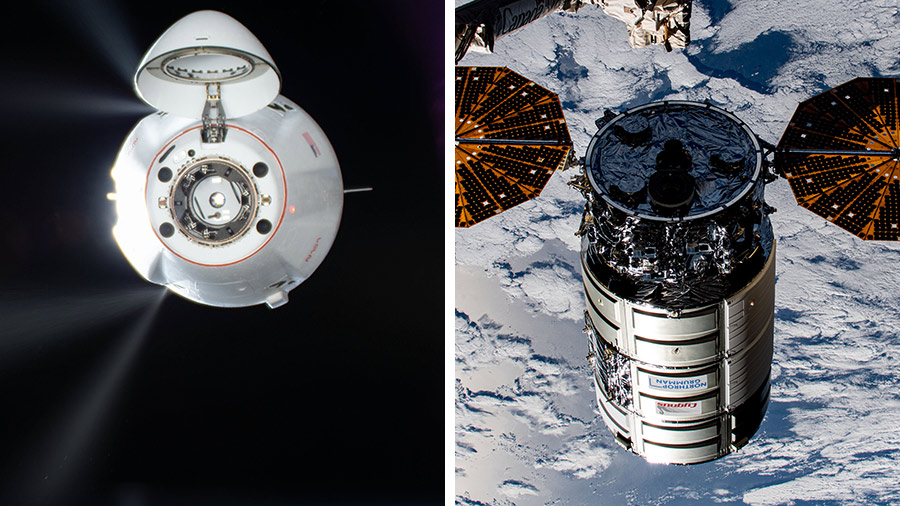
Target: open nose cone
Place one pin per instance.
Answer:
(207, 48)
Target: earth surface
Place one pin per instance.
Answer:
(527, 429)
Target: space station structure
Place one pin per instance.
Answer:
(230, 194)
(480, 23)
(678, 260)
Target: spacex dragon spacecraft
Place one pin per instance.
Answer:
(230, 195)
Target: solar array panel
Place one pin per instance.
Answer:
(840, 155)
(510, 137)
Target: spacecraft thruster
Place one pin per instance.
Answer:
(510, 138)
(678, 261)
(230, 195)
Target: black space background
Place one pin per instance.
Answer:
(335, 398)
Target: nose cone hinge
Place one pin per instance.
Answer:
(213, 116)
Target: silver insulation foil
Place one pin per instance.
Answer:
(681, 259)
(612, 369)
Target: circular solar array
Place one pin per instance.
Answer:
(841, 155)
(510, 137)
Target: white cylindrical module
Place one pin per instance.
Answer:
(678, 260)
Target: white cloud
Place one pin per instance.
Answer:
(583, 458)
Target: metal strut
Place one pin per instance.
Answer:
(213, 116)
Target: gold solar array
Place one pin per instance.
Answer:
(840, 154)
(510, 138)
